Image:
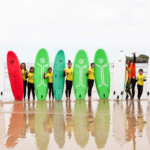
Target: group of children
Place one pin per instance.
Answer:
(68, 72)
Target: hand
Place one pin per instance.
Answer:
(133, 53)
(44, 72)
(88, 71)
(64, 70)
(26, 72)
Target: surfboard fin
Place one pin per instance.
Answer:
(1, 93)
(104, 95)
(114, 93)
(121, 92)
(118, 97)
(148, 93)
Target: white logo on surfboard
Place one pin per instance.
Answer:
(101, 60)
(42, 70)
(42, 60)
(102, 74)
(81, 61)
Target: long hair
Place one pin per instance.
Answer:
(24, 66)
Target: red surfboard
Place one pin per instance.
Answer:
(15, 75)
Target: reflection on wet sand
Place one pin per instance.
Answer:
(119, 123)
(2, 127)
(41, 131)
(15, 126)
(131, 123)
(69, 119)
(59, 124)
(102, 124)
(80, 123)
(148, 122)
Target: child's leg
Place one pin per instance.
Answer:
(67, 87)
(49, 90)
(33, 93)
(52, 91)
(29, 89)
(141, 91)
(70, 87)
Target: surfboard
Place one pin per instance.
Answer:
(42, 134)
(15, 126)
(119, 76)
(59, 124)
(41, 66)
(148, 81)
(58, 78)
(119, 121)
(80, 80)
(102, 74)
(2, 77)
(81, 132)
(15, 75)
(102, 124)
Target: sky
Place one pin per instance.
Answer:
(71, 25)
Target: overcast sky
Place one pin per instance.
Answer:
(114, 25)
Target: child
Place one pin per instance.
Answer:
(50, 82)
(30, 77)
(91, 78)
(140, 82)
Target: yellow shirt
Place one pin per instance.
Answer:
(50, 77)
(91, 74)
(69, 73)
(31, 77)
(24, 74)
(140, 79)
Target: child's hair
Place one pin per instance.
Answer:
(31, 68)
(69, 62)
(92, 64)
(24, 66)
(140, 70)
(50, 68)
(129, 60)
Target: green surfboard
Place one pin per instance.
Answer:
(42, 134)
(41, 66)
(81, 132)
(102, 124)
(58, 78)
(80, 80)
(102, 74)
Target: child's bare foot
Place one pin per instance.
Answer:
(49, 99)
(29, 100)
(89, 98)
(53, 98)
(138, 100)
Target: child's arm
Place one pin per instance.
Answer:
(88, 73)
(64, 73)
(44, 77)
(27, 75)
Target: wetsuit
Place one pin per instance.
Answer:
(24, 81)
(91, 78)
(131, 81)
(69, 81)
(50, 84)
(31, 85)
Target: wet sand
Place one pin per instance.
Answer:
(89, 125)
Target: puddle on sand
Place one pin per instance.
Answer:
(115, 125)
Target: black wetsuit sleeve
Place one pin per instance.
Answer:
(144, 79)
(64, 74)
(26, 75)
(134, 59)
(87, 74)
